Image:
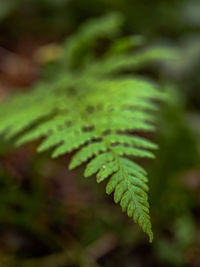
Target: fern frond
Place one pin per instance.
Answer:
(133, 62)
(79, 45)
(124, 45)
(97, 112)
(130, 191)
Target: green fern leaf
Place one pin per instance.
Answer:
(96, 111)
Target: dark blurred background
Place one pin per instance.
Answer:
(51, 217)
